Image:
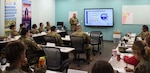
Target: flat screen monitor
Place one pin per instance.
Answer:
(98, 17)
(60, 25)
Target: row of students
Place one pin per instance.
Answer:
(41, 28)
(34, 30)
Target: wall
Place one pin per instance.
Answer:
(2, 17)
(64, 6)
(42, 11)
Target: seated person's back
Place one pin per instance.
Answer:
(79, 32)
(57, 36)
(87, 39)
(32, 47)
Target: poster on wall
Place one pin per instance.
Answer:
(127, 18)
(26, 13)
(10, 14)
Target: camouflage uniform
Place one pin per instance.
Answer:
(57, 36)
(41, 29)
(48, 28)
(143, 67)
(20, 29)
(13, 33)
(32, 48)
(143, 34)
(34, 31)
(73, 26)
(14, 70)
(87, 39)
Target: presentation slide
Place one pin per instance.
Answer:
(98, 17)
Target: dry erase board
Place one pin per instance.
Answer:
(136, 14)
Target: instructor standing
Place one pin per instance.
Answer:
(73, 22)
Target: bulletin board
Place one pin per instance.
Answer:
(136, 14)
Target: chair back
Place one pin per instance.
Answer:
(53, 58)
(95, 36)
(50, 39)
(77, 43)
(39, 39)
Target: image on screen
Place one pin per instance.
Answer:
(98, 17)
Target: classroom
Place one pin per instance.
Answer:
(55, 11)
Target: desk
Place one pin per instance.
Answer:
(119, 65)
(66, 38)
(44, 33)
(39, 34)
(76, 71)
(2, 67)
(49, 71)
(62, 49)
(65, 49)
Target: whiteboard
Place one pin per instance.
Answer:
(136, 14)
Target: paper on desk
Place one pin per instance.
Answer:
(119, 65)
(50, 44)
(129, 50)
(43, 33)
(17, 37)
(67, 37)
(139, 38)
(133, 34)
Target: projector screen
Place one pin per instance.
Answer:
(98, 17)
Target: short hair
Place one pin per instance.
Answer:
(14, 51)
(102, 67)
(24, 31)
(53, 28)
(34, 26)
(47, 22)
(146, 27)
(11, 26)
(41, 24)
(22, 24)
(139, 46)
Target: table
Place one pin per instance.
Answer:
(76, 71)
(119, 65)
(62, 49)
(44, 33)
(2, 67)
(66, 38)
(49, 71)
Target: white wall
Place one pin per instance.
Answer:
(2, 17)
(42, 11)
